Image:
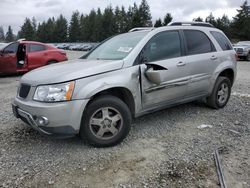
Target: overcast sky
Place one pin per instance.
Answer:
(13, 12)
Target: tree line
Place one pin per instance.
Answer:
(99, 25)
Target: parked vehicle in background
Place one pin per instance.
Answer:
(128, 75)
(75, 47)
(63, 46)
(23, 56)
(87, 47)
(242, 49)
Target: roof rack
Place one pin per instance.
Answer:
(202, 24)
(141, 29)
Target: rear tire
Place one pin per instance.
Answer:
(105, 122)
(221, 93)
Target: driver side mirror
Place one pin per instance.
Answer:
(155, 73)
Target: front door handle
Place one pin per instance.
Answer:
(181, 64)
(214, 57)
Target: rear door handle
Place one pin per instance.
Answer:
(214, 57)
(181, 64)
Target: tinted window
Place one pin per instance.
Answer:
(197, 42)
(222, 40)
(12, 48)
(36, 47)
(164, 45)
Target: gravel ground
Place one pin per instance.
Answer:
(163, 149)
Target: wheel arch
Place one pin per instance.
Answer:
(51, 60)
(229, 73)
(120, 92)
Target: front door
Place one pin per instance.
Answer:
(164, 75)
(8, 59)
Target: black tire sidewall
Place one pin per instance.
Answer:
(219, 82)
(105, 101)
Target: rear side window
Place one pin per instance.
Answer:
(222, 40)
(37, 47)
(197, 42)
(164, 45)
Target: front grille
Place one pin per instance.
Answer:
(239, 50)
(24, 91)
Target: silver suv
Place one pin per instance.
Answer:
(127, 76)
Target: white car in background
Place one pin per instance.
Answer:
(243, 50)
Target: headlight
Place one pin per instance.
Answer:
(53, 93)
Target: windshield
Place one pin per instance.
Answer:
(117, 47)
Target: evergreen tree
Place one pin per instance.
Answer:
(41, 32)
(61, 29)
(167, 19)
(124, 26)
(27, 30)
(9, 35)
(74, 28)
(2, 37)
(223, 24)
(144, 14)
(49, 29)
(97, 27)
(108, 22)
(118, 21)
(136, 20)
(158, 23)
(84, 28)
(210, 19)
(92, 31)
(241, 22)
(199, 19)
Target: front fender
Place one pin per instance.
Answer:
(127, 78)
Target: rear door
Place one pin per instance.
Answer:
(201, 59)
(8, 59)
(164, 75)
(37, 55)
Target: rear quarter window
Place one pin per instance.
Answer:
(36, 47)
(197, 42)
(222, 40)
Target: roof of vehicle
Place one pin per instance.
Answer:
(30, 42)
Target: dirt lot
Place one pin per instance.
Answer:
(163, 149)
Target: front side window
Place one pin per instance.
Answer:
(197, 42)
(118, 47)
(222, 40)
(164, 45)
(37, 47)
(12, 48)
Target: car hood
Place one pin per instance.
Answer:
(69, 70)
(241, 46)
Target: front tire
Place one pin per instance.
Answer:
(221, 93)
(105, 122)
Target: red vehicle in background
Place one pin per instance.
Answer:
(23, 56)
